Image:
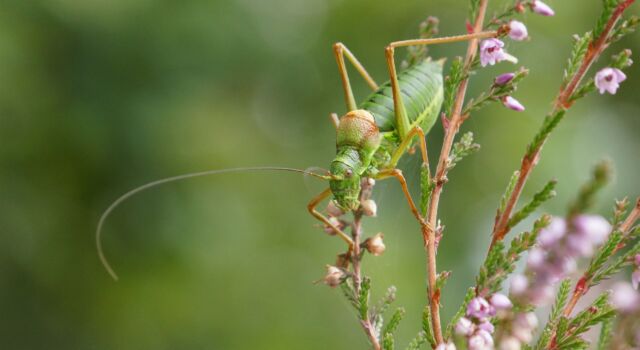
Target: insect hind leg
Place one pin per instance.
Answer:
(341, 51)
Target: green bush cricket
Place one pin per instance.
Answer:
(370, 138)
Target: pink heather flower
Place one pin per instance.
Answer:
(510, 343)
(517, 31)
(502, 79)
(635, 279)
(625, 298)
(479, 307)
(580, 245)
(465, 327)
(500, 302)
(536, 258)
(512, 104)
(491, 52)
(541, 8)
(448, 346)
(487, 326)
(594, 227)
(519, 284)
(482, 340)
(551, 234)
(609, 79)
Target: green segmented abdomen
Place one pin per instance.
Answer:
(422, 95)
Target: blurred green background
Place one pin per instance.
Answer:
(97, 97)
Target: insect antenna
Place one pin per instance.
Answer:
(131, 193)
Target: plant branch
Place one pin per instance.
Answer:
(563, 102)
(356, 257)
(441, 176)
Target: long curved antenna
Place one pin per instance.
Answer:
(149, 185)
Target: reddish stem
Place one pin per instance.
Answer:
(563, 102)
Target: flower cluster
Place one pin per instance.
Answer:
(476, 326)
(560, 244)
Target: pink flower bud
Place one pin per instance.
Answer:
(487, 326)
(482, 340)
(541, 8)
(551, 234)
(625, 298)
(479, 307)
(447, 346)
(609, 79)
(465, 327)
(502, 79)
(334, 276)
(375, 245)
(519, 284)
(594, 228)
(500, 302)
(369, 207)
(536, 258)
(510, 343)
(512, 104)
(491, 52)
(518, 31)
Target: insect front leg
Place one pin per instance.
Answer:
(340, 51)
(402, 121)
(397, 174)
(311, 207)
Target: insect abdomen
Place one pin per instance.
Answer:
(422, 94)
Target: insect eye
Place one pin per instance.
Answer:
(348, 173)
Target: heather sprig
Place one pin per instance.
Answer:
(554, 247)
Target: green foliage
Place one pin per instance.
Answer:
(451, 84)
(619, 211)
(417, 342)
(427, 29)
(388, 343)
(363, 298)
(545, 194)
(508, 192)
(549, 124)
(604, 253)
(568, 330)
(605, 334)
(623, 260)
(461, 311)
(578, 52)
(608, 7)
(624, 28)
(461, 149)
(499, 264)
(601, 176)
(426, 326)
(426, 187)
(391, 327)
(473, 10)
